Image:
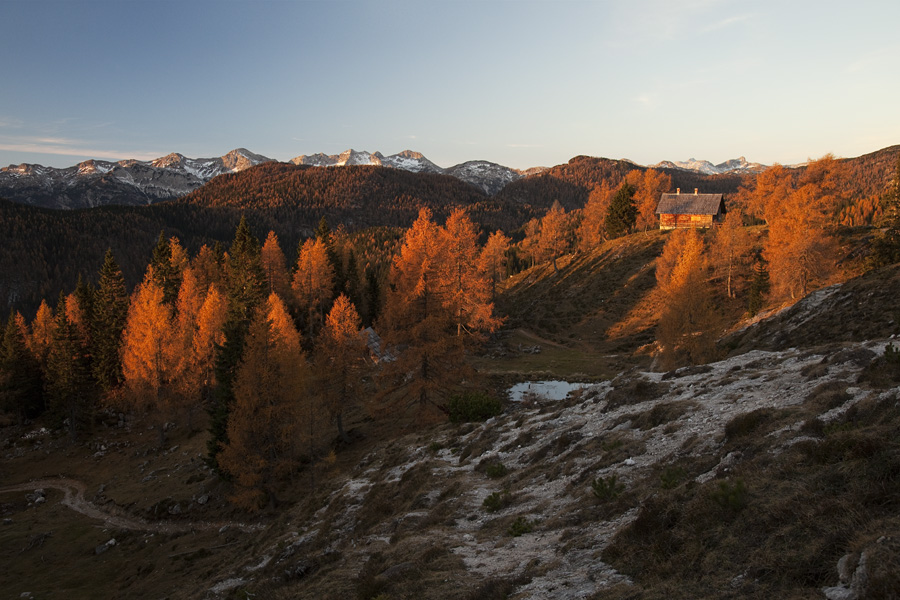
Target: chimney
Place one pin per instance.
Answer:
(678, 190)
(695, 191)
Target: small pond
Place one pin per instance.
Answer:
(544, 390)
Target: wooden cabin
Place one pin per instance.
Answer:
(695, 210)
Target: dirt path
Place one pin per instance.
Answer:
(536, 338)
(73, 498)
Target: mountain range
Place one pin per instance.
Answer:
(134, 182)
(735, 165)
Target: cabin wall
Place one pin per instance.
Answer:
(685, 221)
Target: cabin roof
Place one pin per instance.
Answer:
(689, 204)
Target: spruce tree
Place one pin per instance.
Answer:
(622, 213)
(69, 385)
(165, 273)
(759, 287)
(246, 289)
(109, 315)
(20, 373)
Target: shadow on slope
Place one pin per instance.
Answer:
(602, 301)
(861, 309)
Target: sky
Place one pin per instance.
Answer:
(514, 82)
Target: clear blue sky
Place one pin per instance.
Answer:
(514, 82)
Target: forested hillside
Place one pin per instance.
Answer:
(44, 251)
(570, 184)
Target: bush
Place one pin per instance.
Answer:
(497, 501)
(884, 371)
(731, 496)
(520, 526)
(496, 470)
(473, 406)
(607, 489)
(747, 423)
(672, 477)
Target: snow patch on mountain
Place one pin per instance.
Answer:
(705, 167)
(486, 176)
(97, 182)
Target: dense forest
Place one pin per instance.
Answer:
(45, 251)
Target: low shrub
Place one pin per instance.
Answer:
(497, 501)
(473, 406)
(671, 477)
(496, 470)
(731, 496)
(607, 489)
(747, 423)
(520, 526)
(884, 371)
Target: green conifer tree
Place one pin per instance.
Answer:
(165, 274)
(110, 312)
(20, 373)
(69, 384)
(246, 289)
(759, 287)
(622, 213)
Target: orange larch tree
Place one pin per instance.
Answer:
(340, 357)
(649, 187)
(42, 329)
(467, 295)
(186, 376)
(730, 250)
(208, 336)
(418, 321)
(313, 282)
(592, 230)
(150, 353)
(266, 423)
(554, 234)
(492, 259)
(686, 327)
(800, 248)
(275, 267)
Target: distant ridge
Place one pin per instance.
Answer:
(126, 182)
(489, 177)
(134, 182)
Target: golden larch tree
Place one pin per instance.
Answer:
(686, 330)
(186, 375)
(150, 354)
(275, 267)
(417, 320)
(467, 292)
(340, 358)
(208, 336)
(42, 329)
(313, 282)
(266, 423)
(800, 249)
(592, 229)
(554, 235)
(730, 250)
(649, 186)
(492, 259)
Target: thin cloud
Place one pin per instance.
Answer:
(874, 61)
(68, 147)
(645, 100)
(11, 123)
(724, 23)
